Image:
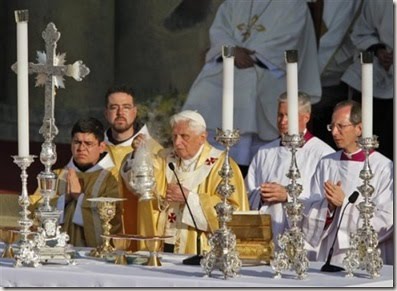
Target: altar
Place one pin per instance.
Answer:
(92, 272)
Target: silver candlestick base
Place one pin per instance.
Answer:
(292, 254)
(223, 242)
(51, 243)
(364, 252)
(27, 255)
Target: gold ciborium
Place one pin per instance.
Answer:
(9, 236)
(107, 211)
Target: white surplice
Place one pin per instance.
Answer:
(334, 169)
(374, 26)
(336, 49)
(271, 164)
(281, 25)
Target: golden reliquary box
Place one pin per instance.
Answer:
(254, 236)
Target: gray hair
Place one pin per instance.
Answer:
(194, 124)
(303, 101)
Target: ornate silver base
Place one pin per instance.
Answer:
(364, 253)
(27, 255)
(51, 243)
(223, 242)
(292, 254)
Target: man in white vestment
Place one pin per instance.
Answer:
(335, 179)
(261, 32)
(197, 165)
(335, 55)
(266, 178)
(121, 114)
(373, 32)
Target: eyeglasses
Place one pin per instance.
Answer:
(339, 126)
(87, 144)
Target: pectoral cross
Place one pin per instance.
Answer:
(50, 73)
(246, 28)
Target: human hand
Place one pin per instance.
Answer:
(273, 193)
(334, 194)
(174, 193)
(242, 58)
(138, 141)
(385, 58)
(74, 184)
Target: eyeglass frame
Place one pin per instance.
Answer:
(339, 126)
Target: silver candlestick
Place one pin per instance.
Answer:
(27, 254)
(364, 252)
(292, 254)
(223, 242)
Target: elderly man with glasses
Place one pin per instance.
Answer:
(336, 178)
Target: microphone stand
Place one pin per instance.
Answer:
(194, 260)
(327, 267)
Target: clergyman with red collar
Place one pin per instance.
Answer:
(336, 178)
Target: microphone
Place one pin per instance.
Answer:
(327, 267)
(195, 260)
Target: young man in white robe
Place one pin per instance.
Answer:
(335, 179)
(261, 32)
(374, 32)
(266, 178)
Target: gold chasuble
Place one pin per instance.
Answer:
(160, 217)
(118, 153)
(80, 218)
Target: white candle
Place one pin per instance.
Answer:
(292, 91)
(21, 18)
(366, 93)
(228, 88)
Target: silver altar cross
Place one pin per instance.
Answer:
(50, 72)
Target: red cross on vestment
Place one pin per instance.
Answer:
(210, 161)
(172, 217)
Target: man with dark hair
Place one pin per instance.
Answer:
(337, 177)
(90, 173)
(121, 114)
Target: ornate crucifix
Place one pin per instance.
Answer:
(50, 71)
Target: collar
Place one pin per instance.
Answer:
(358, 156)
(191, 161)
(105, 163)
(109, 137)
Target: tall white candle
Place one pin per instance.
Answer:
(21, 18)
(228, 87)
(292, 91)
(366, 93)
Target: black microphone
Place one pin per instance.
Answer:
(195, 260)
(327, 267)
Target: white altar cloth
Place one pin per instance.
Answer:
(99, 273)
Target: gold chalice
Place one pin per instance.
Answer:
(121, 244)
(8, 236)
(153, 245)
(107, 211)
